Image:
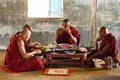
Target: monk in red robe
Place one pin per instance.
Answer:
(67, 34)
(108, 46)
(18, 56)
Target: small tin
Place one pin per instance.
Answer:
(109, 62)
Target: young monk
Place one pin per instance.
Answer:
(18, 56)
(67, 34)
(108, 46)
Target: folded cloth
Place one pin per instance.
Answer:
(6, 69)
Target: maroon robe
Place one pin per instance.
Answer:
(109, 39)
(15, 61)
(65, 37)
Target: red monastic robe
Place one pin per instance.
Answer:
(65, 37)
(109, 39)
(15, 61)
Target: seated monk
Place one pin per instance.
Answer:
(18, 56)
(108, 46)
(67, 34)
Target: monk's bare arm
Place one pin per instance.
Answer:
(105, 49)
(71, 35)
(73, 38)
(59, 31)
(22, 50)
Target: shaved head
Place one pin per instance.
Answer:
(103, 31)
(27, 26)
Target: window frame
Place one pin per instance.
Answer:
(47, 17)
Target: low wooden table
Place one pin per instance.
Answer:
(80, 56)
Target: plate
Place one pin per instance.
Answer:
(65, 45)
(70, 52)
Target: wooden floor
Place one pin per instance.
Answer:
(77, 73)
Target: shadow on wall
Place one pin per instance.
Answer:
(4, 40)
(44, 37)
(85, 35)
(115, 28)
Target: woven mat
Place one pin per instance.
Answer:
(104, 77)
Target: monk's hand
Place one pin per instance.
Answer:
(68, 30)
(99, 38)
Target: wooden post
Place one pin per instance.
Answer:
(93, 23)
